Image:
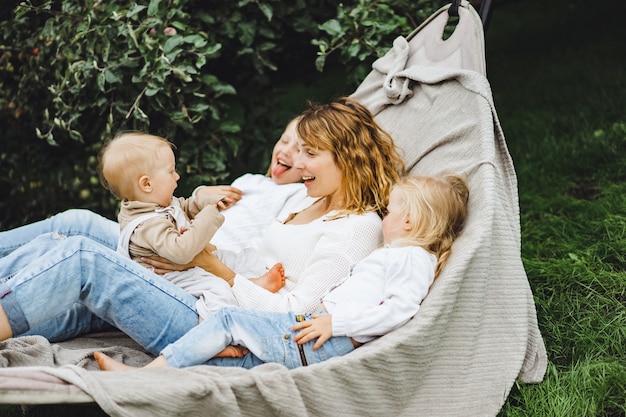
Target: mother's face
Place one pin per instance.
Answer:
(321, 175)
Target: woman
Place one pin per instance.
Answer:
(347, 163)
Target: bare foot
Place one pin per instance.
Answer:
(273, 280)
(232, 351)
(109, 364)
(5, 328)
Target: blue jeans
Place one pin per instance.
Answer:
(75, 222)
(266, 334)
(71, 271)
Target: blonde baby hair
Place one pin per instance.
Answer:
(436, 208)
(124, 159)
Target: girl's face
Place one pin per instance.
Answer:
(395, 224)
(283, 156)
(320, 174)
(164, 178)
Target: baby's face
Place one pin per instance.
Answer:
(285, 152)
(164, 178)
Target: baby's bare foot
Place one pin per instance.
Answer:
(273, 280)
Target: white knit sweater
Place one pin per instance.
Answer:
(316, 256)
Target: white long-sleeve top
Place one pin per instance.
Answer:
(262, 202)
(383, 292)
(316, 257)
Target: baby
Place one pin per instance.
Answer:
(140, 170)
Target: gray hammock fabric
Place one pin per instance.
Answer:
(474, 336)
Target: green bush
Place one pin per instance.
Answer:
(219, 79)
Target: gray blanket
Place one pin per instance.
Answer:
(474, 336)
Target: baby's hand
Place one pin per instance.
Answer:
(223, 204)
(231, 194)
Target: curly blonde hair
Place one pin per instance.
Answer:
(436, 207)
(362, 150)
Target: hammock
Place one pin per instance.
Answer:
(474, 336)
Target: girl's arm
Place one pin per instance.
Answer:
(406, 276)
(409, 272)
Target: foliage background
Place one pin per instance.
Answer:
(218, 78)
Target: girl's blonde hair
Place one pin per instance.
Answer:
(436, 207)
(362, 150)
(124, 159)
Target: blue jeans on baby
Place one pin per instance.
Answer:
(40, 282)
(266, 334)
(76, 222)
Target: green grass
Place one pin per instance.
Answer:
(558, 75)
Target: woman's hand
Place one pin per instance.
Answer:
(162, 266)
(320, 327)
(206, 260)
(231, 194)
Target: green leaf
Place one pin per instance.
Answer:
(213, 49)
(179, 25)
(221, 89)
(140, 115)
(209, 79)
(197, 40)
(267, 11)
(153, 7)
(151, 91)
(200, 107)
(135, 11)
(111, 77)
(230, 127)
(332, 27)
(100, 81)
(201, 61)
(131, 33)
(181, 74)
(353, 50)
(320, 61)
(75, 135)
(172, 42)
